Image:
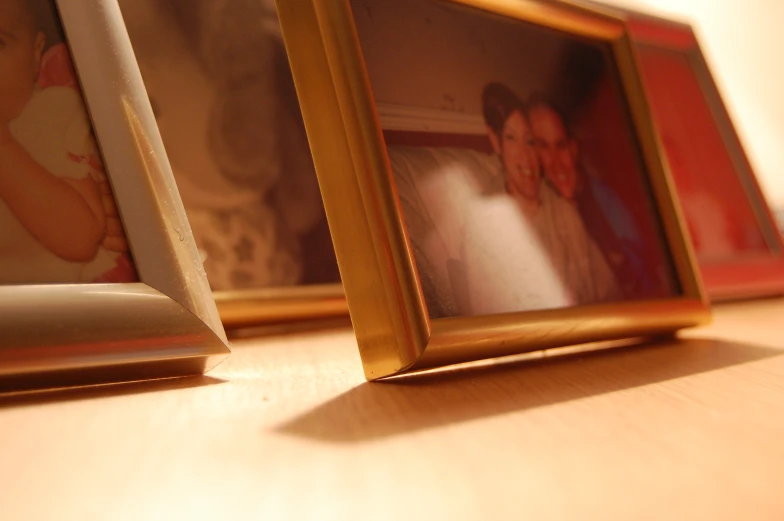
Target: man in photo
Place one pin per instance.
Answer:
(606, 219)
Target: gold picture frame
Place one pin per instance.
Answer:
(166, 324)
(246, 180)
(393, 326)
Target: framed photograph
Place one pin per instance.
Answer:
(491, 178)
(220, 85)
(100, 279)
(734, 233)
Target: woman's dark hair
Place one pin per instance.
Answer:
(498, 103)
(46, 19)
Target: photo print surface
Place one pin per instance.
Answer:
(515, 159)
(219, 82)
(58, 218)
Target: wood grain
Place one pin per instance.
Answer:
(287, 428)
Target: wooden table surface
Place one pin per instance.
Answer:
(287, 428)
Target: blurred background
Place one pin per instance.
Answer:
(219, 83)
(742, 42)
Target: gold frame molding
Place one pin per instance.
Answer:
(394, 332)
(280, 304)
(165, 325)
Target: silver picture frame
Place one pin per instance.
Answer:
(166, 324)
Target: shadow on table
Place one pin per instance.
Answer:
(43, 396)
(402, 405)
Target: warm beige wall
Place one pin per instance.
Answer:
(743, 41)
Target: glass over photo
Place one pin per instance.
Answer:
(58, 219)
(515, 159)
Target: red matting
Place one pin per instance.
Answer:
(732, 228)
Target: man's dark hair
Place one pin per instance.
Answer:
(498, 103)
(539, 99)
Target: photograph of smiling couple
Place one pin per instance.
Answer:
(519, 174)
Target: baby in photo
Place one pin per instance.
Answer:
(58, 221)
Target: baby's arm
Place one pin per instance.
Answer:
(64, 215)
(115, 235)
